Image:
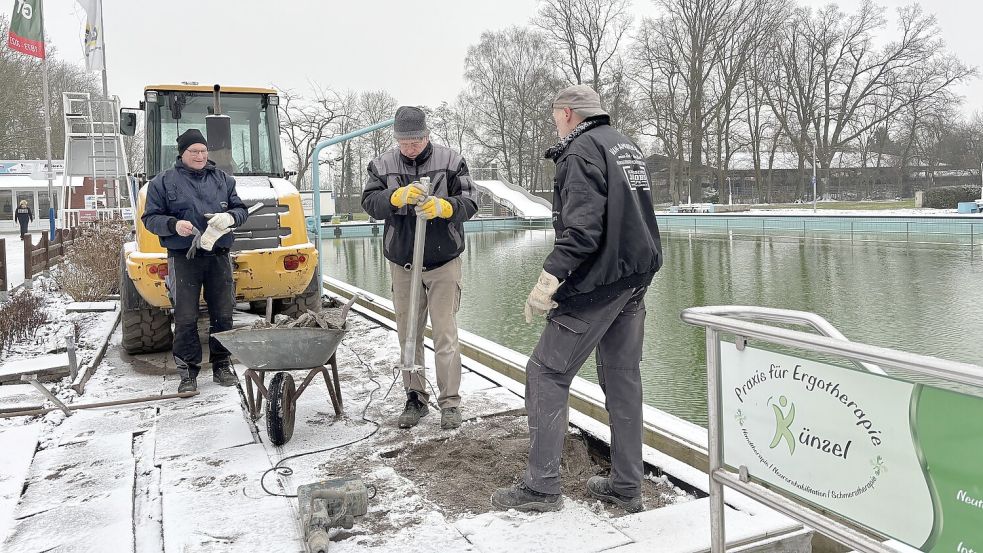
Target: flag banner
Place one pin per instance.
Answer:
(26, 33)
(95, 53)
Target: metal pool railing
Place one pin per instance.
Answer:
(951, 232)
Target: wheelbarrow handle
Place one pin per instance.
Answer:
(345, 308)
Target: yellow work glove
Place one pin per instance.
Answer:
(540, 300)
(411, 194)
(435, 207)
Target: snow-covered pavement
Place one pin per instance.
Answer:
(185, 475)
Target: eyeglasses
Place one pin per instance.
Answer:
(197, 152)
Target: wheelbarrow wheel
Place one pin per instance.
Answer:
(280, 408)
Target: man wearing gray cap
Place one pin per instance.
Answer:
(393, 193)
(591, 289)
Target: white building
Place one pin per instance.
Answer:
(26, 180)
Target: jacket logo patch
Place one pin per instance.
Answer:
(637, 176)
(225, 205)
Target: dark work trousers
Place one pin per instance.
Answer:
(616, 329)
(186, 278)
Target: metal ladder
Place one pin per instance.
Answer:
(93, 148)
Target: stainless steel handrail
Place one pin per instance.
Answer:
(733, 319)
(785, 316)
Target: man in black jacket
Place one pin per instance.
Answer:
(392, 193)
(592, 289)
(182, 202)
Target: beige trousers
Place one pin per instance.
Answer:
(441, 296)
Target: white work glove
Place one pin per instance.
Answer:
(540, 300)
(220, 221)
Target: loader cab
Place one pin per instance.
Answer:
(171, 110)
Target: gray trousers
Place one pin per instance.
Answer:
(616, 329)
(441, 297)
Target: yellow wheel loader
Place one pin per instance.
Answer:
(273, 258)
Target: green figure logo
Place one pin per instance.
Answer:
(782, 422)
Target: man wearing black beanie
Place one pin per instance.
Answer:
(181, 202)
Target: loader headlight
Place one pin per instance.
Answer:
(151, 96)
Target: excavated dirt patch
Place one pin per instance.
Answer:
(461, 472)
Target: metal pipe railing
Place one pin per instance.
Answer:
(737, 320)
(316, 182)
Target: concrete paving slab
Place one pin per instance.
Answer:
(19, 397)
(493, 401)
(90, 306)
(45, 366)
(685, 527)
(473, 382)
(211, 421)
(205, 495)
(19, 445)
(571, 529)
(77, 473)
(102, 523)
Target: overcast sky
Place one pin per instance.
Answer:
(414, 50)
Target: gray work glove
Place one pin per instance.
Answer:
(195, 244)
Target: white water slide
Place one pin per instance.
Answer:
(519, 200)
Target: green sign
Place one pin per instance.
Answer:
(26, 32)
(905, 460)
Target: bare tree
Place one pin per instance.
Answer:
(511, 80)
(452, 124)
(589, 33)
(133, 150)
(21, 100)
(304, 123)
(830, 69)
(374, 107)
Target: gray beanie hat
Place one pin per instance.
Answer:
(411, 122)
(581, 98)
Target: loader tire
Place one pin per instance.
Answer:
(145, 329)
(308, 300)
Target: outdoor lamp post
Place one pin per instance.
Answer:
(730, 192)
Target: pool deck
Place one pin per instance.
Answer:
(184, 475)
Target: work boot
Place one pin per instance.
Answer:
(188, 384)
(415, 410)
(222, 373)
(450, 418)
(599, 487)
(521, 498)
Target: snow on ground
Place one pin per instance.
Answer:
(15, 258)
(184, 475)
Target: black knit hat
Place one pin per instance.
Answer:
(189, 137)
(411, 122)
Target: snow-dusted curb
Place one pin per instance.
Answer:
(86, 369)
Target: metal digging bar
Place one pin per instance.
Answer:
(416, 285)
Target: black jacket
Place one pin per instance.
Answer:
(449, 179)
(181, 193)
(607, 239)
(24, 215)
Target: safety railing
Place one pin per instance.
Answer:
(752, 440)
(951, 232)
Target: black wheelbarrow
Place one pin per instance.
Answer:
(277, 350)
